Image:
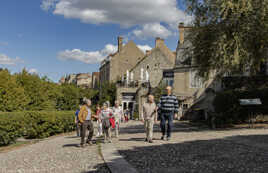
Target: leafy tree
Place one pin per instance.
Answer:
(12, 96)
(229, 35)
(107, 93)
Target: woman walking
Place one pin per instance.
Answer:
(106, 114)
(118, 115)
(99, 123)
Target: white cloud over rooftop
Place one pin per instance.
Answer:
(126, 13)
(93, 57)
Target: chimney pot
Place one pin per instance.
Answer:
(159, 42)
(120, 43)
(181, 30)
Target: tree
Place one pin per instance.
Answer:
(107, 93)
(12, 96)
(228, 35)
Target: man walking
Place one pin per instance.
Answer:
(84, 117)
(118, 115)
(149, 117)
(168, 109)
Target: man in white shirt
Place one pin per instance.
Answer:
(118, 114)
(149, 116)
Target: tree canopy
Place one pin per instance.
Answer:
(25, 91)
(228, 35)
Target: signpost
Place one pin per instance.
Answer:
(250, 104)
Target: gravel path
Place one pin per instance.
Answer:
(59, 155)
(195, 150)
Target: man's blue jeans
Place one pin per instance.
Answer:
(164, 117)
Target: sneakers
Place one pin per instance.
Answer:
(163, 138)
(146, 140)
(168, 138)
(151, 141)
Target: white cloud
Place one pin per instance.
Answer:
(92, 57)
(144, 47)
(5, 60)
(48, 4)
(152, 30)
(126, 13)
(33, 71)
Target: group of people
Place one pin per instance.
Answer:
(109, 118)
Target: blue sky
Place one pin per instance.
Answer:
(58, 37)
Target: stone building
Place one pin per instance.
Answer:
(83, 80)
(146, 74)
(115, 65)
(188, 86)
(95, 80)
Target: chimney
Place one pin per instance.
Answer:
(120, 43)
(181, 30)
(159, 42)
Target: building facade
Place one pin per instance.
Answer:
(95, 80)
(115, 65)
(146, 74)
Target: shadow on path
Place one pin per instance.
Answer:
(226, 155)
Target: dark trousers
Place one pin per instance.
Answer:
(164, 117)
(86, 125)
(78, 130)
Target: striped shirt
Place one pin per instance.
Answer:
(168, 104)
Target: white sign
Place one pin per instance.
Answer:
(250, 101)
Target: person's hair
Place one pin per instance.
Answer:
(108, 103)
(104, 104)
(85, 100)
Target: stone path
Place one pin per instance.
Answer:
(194, 149)
(191, 150)
(54, 155)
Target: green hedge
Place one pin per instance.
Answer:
(229, 111)
(34, 125)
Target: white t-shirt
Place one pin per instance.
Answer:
(118, 113)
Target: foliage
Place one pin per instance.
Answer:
(34, 124)
(25, 91)
(229, 35)
(107, 93)
(229, 111)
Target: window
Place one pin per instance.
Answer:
(195, 80)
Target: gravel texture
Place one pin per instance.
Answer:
(58, 154)
(196, 150)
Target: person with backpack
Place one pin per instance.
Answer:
(105, 115)
(85, 119)
(168, 108)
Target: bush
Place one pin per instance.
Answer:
(229, 111)
(34, 125)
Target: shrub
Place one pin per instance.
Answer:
(34, 125)
(229, 111)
